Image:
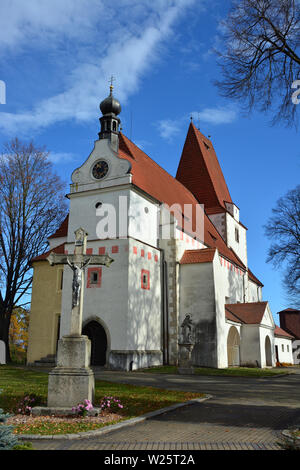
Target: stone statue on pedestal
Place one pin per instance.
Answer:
(186, 346)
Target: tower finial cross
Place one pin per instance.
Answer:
(111, 81)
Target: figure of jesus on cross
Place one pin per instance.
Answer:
(78, 263)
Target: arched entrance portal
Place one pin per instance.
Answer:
(268, 351)
(97, 335)
(233, 347)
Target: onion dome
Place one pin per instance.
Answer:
(110, 105)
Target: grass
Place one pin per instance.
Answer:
(16, 382)
(230, 371)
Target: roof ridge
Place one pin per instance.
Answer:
(160, 167)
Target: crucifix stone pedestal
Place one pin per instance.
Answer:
(72, 380)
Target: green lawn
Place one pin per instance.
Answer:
(231, 371)
(16, 382)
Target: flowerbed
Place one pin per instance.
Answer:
(53, 425)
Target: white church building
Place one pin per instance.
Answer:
(167, 263)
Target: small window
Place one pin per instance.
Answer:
(237, 235)
(287, 348)
(60, 279)
(114, 125)
(282, 348)
(145, 279)
(94, 277)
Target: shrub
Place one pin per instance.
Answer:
(7, 439)
(82, 408)
(26, 404)
(111, 403)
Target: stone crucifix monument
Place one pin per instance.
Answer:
(72, 380)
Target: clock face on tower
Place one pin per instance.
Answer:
(100, 169)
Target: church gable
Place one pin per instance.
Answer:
(102, 168)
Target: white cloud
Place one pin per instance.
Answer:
(169, 128)
(218, 115)
(61, 157)
(125, 43)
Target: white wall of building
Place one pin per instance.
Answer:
(254, 292)
(144, 322)
(285, 349)
(197, 297)
(107, 304)
(239, 247)
(143, 219)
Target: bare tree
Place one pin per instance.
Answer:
(261, 56)
(284, 227)
(32, 205)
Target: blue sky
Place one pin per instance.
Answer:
(56, 59)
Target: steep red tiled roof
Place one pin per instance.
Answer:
(62, 230)
(280, 332)
(249, 313)
(200, 171)
(154, 180)
(205, 255)
(58, 249)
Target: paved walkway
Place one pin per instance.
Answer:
(244, 413)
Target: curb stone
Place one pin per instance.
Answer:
(112, 427)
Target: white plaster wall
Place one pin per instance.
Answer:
(107, 304)
(221, 289)
(186, 242)
(53, 242)
(83, 210)
(197, 297)
(250, 350)
(240, 248)
(263, 332)
(231, 282)
(143, 219)
(287, 354)
(254, 292)
(144, 322)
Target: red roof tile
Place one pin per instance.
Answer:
(254, 278)
(290, 310)
(155, 181)
(62, 230)
(205, 255)
(280, 332)
(249, 313)
(58, 249)
(200, 171)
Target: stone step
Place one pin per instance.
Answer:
(50, 359)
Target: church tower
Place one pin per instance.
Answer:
(110, 122)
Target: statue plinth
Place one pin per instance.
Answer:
(72, 380)
(185, 361)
